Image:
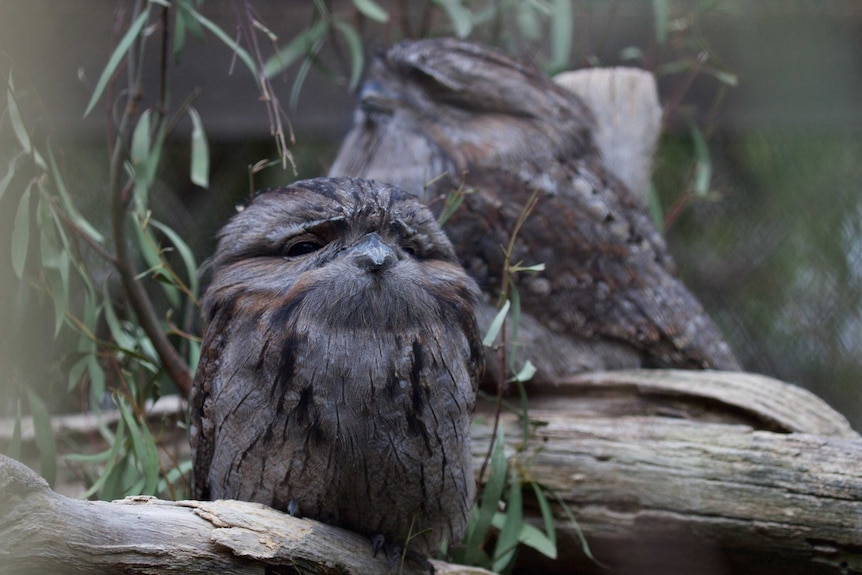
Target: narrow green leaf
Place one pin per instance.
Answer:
(10, 173)
(89, 318)
(357, 57)
(114, 61)
(654, 207)
(491, 494)
(97, 381)
(630, 53)
(112, 487)
(459, 15)
(527, 372)
(547, 545)
(528, 21)
(200, 163)
(180, 25)
(13, 450)
(185, 253)
(496, 325)
(186, 9)
(175, 475)
(144, 447)
(300, 45)
(123, 340)
(140, 151)
(100, 457)
(68, 204)
(194, 355)
(15, 118)
(55, 261)
(119, 439)
(149, 459)
(149, 250)
(703, 163)
(44, 438)
(76, 371)
(507, 542)
(372, 10)
(241, 52)
(661, 12)
(302, 73)
(562, 25)
(21, 233)
(725, 77)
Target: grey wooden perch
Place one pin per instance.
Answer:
(665, 472)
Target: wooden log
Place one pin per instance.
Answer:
(44, 532)
(695, 472)
(665, 471)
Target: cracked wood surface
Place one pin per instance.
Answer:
(666, 472)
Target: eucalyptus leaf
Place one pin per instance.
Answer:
(200, 162)
(661, 13)
(241, 52)
(13, 450)
(562, 23)
(114, 61)
(491, 494)
(10, 173)
(654, 207)
(372, 10)
(17, 123)
(527, 372)
(547, 544)
(185, 253)
(703, 162)
(144, 448)
(299, 46)
(76, 371)
(496, 325)
(354, 44)
(21, 233)
(100, 457)
(123, 340)
(97, 380)
(507, 541)
(68, 205)
(459, 15)
(149, 250)
(44, 438)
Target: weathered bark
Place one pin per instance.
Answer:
(696, 472)
(44, 532)
(666, 472)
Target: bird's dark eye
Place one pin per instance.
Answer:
(303, 247)
(410, 250)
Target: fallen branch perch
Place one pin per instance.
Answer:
(697, 473)
(666, 472)
(44, 532)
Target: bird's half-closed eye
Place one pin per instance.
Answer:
(302, 247)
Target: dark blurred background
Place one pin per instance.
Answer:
(773, 249)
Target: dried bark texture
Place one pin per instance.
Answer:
(339, 365)
(667, 472)
(697, 473)
(43, 532)
(441, 115)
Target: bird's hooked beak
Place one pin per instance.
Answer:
(374, 98)
(372, 254)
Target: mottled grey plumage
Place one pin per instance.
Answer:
(339, 364)
(441, 115)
